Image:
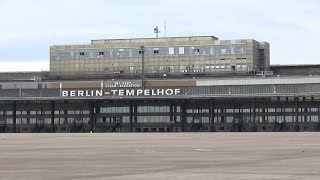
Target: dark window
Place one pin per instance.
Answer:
(156, 51)
(233, 68)
(101, 53)
(81, 53)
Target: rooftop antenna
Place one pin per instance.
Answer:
(156, 31)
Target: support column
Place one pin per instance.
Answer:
(183, 117)
(53, 129)
(296, 127)
(14, 116)
(254, 127)
(131, 117)
(135, 115)
(211, 111)
(92, 115)
(171, 116)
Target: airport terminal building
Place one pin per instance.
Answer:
(172, 84)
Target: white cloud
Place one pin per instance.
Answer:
(13, 66)
(36, 24)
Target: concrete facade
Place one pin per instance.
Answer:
(174, 55)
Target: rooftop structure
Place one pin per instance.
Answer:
(172, 55)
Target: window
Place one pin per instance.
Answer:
(171, 51)
(196, 51)
(181, 50)
(156, 50)
(81, 53)
(101, 53)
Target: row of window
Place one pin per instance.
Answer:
(44, 112)
(265, 119)
(153, 119)
(151, 109)
(166, 119)
(124, 109)
(161, 51)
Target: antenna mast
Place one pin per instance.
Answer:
(156, 31)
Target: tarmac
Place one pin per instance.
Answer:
(145, 156)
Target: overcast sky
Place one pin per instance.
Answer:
(28, 28)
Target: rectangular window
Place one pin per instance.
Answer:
(101, 53)
(81, 53)
(171, 51)
(156, 50)
(181, 50)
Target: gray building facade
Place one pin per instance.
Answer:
(172, 55)
(210, 85)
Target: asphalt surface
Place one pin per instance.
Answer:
(161, 156)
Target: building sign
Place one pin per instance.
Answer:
(120, 92)
(116, 84)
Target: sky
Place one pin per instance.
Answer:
(29, 28)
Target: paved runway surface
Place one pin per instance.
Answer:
(161, 156)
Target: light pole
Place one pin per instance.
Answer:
(141, 51)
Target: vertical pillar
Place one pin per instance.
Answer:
(14, 116)
(135, 115)
(92, 115)
(296, 127)
(131, 117)
(183, 116)
(211, 111)
(53, 129)
(171, 116)
(254, 128)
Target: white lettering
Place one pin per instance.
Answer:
(153, 92)
(65, 93)
(169, 92)
(121, 92)
(129, 92)
(99, 93)
(139, 92)
(176, 91)
(80, 93)
(87, 93)
(147, 92)
(160, 92)
(114, 92)
(72, 93)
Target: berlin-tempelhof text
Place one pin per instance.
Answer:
(120, 92)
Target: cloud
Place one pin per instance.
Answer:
(28, 28)
(22, 65)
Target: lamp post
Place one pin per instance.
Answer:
(141, 51)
